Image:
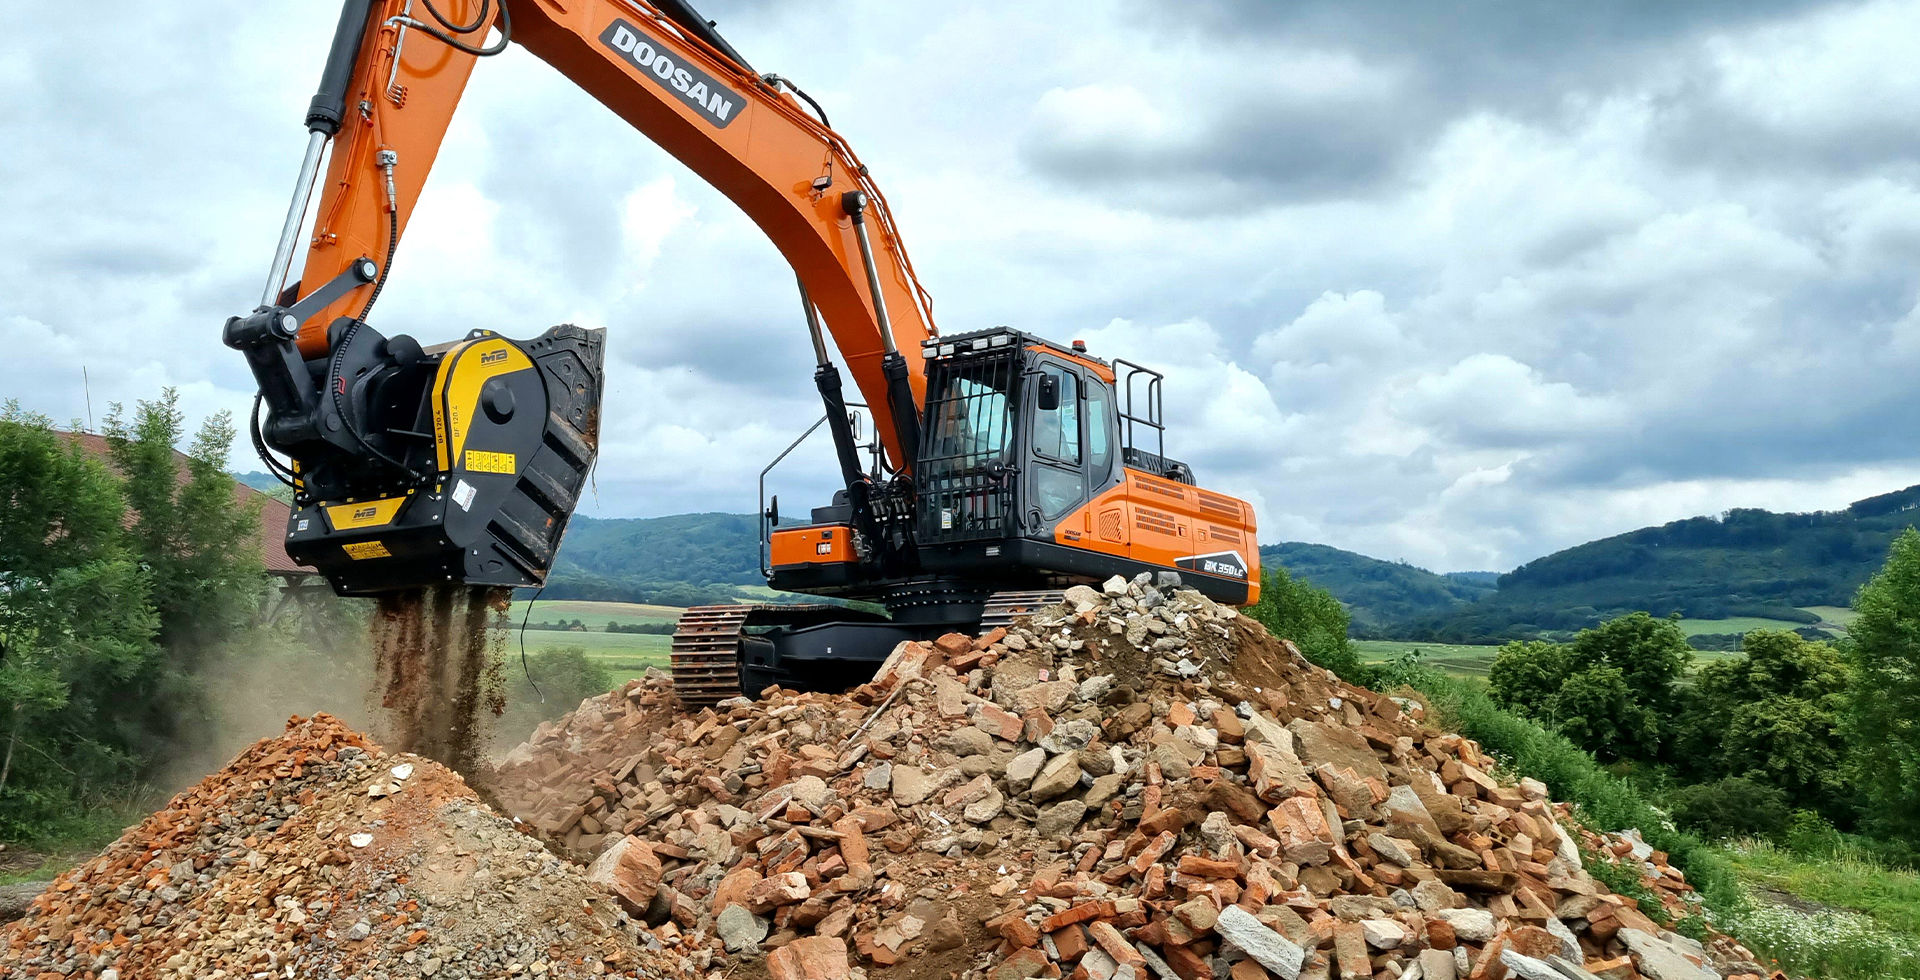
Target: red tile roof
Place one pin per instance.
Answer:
(273, 513)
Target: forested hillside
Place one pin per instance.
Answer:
(1377, 593)
(1746, 562)
(684, 559)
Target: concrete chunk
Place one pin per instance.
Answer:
(1275, 952)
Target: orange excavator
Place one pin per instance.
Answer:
(1002, 467)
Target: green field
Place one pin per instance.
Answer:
(1470, 660)
(595, 614)
(625, 655)
(1458, 659)
(1839, 616)
(1735, 624)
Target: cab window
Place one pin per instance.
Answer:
(1059, 483)
(1100, 429)
(1056, 433)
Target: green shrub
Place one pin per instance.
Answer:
(1732, 807)
(550, 684)
(1314, 620)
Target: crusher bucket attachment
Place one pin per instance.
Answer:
(496, 438)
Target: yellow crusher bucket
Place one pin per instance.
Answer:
(514, 428)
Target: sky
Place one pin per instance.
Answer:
(1458, 285)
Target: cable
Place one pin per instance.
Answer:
(506, 34)
(393, 245)
(797, 90)
(335, 387)
(524, 669)
(478, 20)
(274, 466)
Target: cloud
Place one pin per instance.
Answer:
(1299, 125)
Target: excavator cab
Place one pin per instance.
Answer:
(1039, 466)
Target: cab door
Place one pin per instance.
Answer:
(1056, 471)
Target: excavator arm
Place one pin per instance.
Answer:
(354, 410)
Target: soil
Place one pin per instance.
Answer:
(437, 661)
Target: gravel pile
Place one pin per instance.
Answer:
(314, 854)
(1136, 783)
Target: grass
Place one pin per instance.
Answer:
(1735, 624)
(596, 614)
(1839, 616)
(1847, 915)
(1456, 659)
(76, 839)
(1829, 945)
(626, 655)
(1846, 881)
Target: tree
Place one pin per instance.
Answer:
(1597, 709)
(1527, 674)
(1774, 715)
(73, 610)
(200, 548)
(1882, 720)
(1611, 690)
(188, 527)
(1651, 655)
(1313, 619)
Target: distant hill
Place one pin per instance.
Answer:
(1377, 593)
(684, 559)
(1745, 562)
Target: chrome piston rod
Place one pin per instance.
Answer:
(296, 216)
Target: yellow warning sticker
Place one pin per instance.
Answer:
(366, 549)
(484, 462)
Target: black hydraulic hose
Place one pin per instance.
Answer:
(506, 35)
(335, 386)
(478, 19)
(804, 97)
(274, 466)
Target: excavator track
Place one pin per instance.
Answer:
(706, 654)
(706, 644)
(1004, 607)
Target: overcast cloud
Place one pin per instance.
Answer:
(1455, 286)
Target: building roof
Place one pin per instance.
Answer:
(274, 514)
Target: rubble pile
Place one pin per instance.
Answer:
(1137, 783)
(314, 854)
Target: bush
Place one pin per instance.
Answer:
(1314, 620)
(550, 684)
(1732, 807)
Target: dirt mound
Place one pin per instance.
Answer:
(1137, 783)
(314, 854)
